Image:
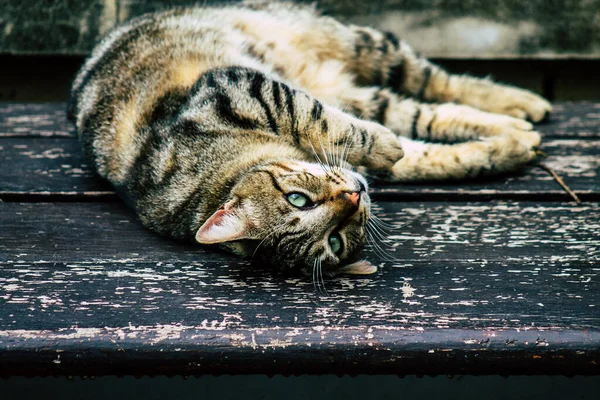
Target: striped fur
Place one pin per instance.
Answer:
(205, 119)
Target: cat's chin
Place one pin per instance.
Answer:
(362, 267)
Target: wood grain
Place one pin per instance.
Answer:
(569, 119)
(475, 288)
(472, 287)
(55, 169)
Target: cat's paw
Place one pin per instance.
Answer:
(381, 149)
(518, 103)
(507, 153)
(465, 121)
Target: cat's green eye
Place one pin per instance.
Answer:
(298, 200)
(335, 241)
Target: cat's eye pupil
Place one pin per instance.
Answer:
(335, 241)
(297, 199)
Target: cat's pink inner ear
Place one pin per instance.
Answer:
(362, 267)
(225, 225)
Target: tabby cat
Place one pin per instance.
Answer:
(245, 125)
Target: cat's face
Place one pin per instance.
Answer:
(297, 216)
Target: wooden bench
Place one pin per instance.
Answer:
(490, 277)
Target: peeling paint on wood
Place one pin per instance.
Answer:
(569, 119)
(473, 287)
(57, 166)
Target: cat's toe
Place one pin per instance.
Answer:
(531, 107)
(541, 111)
(381, 149)
(530, 139)
(385, 152)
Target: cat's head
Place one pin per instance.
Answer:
(297, 216)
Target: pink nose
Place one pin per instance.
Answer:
(354, 198)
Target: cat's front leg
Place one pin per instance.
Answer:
(437, 162)
(484, 143)
(342, 137)
(250, 101)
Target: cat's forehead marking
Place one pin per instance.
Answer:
(333, 175)
(313, 169)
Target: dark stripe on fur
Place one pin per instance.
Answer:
(413, 131)
(224, 110)
(429, 127)
(371, 143)
(393, 39)
(426, 76)
(363, 136)
(256, 92)
(273, 180)
(283, 167)
(317, 110)
(232, 76)
(289, 102)
(324, 126)
(276, 95)
(382, 106)
(396, 76)
(167, 106)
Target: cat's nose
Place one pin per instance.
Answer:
(354, 198)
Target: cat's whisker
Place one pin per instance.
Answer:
(322, 280)
(372, 242)
(384, 223)
(325, 155)
(382, 236)
(314, 275)
(332, 155)
(394, 227)
(273, 231)
(338, 150)
(348, 145)
(377, 247)
(318, 158)
(385, 228)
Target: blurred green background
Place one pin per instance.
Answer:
(549, 46)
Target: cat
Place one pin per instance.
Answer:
(251, 127)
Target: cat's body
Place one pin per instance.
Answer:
(209, 119)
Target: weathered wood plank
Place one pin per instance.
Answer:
(210, 348)
(47, 167)
(55, 168)
(573, 120)
(35, 120)
(82, 232)
(570, 119)
(524, 259)
(475, 288)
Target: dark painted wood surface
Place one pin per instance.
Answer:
(569, 119)
(475, 288)
(49, 165)
(494, 286)
(53, 166)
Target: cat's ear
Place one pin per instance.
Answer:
(228, 223)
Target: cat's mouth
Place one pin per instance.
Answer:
(362, 267)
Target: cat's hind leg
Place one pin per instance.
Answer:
(379, 58)
(384, 60)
